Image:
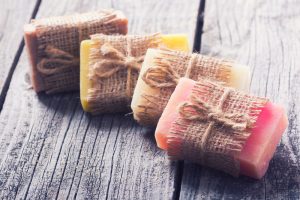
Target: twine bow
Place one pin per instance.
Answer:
(114, 61)
(197, 109)
(62, 61)
(161, 76)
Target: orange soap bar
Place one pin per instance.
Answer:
(62, 25)
(259, 147)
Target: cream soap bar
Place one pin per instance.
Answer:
(161, 71)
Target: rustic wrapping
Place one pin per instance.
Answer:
(164, 75)
(114, 66)
(213, 126)
(59, 41)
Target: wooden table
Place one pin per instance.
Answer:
(51, 149)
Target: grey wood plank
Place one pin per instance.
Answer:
(13, 14)
(265, 36)
(51, 149)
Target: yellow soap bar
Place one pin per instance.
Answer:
(85, 83)
(176, 42)
(172, 41)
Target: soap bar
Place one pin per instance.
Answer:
(253, 157)
(53, 46)
(162, 69)
(113, 93)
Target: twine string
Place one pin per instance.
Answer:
(197, 109)
(57, 57)
(162, 74)
(114, 61)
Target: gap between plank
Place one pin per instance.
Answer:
(196, 48)
(16, 60)
(199, 27)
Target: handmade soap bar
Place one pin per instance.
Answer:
(113, 91)
(245, 150)
(53, 46)
(162, 69)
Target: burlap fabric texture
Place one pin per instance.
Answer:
(213, 126)
(164, 74)
(59, 43)
(114, 66)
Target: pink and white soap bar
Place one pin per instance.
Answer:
(258, 149)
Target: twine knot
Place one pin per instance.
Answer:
(197, 109)
(161, 76)
(114, 61)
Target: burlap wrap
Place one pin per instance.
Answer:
(59, 41)
(213, 126)
(114, 66)
(163, 76)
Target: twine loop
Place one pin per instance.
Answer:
(62, 61)
(114, 61)
(197, 109)
(161, 75)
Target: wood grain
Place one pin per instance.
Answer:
(50, 148)
(265, 36)
(13, 15)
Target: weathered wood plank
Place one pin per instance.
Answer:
(13, 14)
(265, 36)
(51, 149)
